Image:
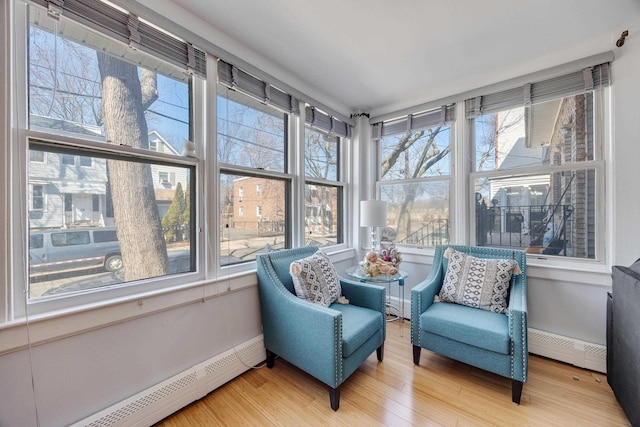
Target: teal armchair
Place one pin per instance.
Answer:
(329, 343)
(491, 341)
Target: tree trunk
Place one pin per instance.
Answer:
(142, 243)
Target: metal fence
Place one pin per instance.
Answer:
(433, 233)
(548, 226)
(524, 226)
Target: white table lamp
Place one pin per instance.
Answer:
(373, 213)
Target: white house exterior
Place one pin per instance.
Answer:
(66, 190)
(71, 191)
(165, 178)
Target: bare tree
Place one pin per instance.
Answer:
(321, 162)
(266, 147)
(60, 80)
(250, 137)
(415, 167)
(125, 96)
(320, 153)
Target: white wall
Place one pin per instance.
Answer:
(82, 374)
(625, 167)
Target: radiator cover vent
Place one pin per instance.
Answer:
(160, 401)
(579, 353)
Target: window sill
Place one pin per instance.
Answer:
(558, 269)
(570, 271)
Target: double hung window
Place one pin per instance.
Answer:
(538, 165)
(93, 104)
(255, 185)
(415, 176)
(323, 192)
(258, 142)
(103, 109)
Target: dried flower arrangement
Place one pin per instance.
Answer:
(386, 262)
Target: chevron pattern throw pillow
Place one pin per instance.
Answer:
(315, 279)
(478, 282)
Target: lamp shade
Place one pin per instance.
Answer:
(373, 213)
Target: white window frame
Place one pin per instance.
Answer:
(19, 306)
(287, 176)
(601, 141)
(127, 301)
(450, 179)
(339, 184)
(462, 209)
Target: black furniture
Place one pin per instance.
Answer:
(623, 339)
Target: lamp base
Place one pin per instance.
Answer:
(373, 239)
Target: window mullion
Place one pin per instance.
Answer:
(297, 156)
(582, 166)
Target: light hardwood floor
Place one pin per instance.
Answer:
(439, 392)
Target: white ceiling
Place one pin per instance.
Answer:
(380, 56)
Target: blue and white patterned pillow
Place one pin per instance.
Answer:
(477, 282)
(315, 279)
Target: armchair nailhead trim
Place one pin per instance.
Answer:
(267, 263)
(337, 339)
(520, 258)
(415, 317)
(512, 350)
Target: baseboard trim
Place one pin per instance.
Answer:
(158, 402)
(569, 350)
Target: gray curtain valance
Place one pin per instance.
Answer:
(324, 121)
(426, 119)
(236, 79)
(128, 29)
(573, 83)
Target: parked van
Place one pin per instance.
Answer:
(65, 249)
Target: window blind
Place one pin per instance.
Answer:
(324, 121)
(426, 119)
(127, 28)
(537, 92)
(236, 79)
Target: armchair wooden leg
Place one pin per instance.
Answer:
(334, 396)
(416, 354)
(516, 391)
(271, 359)
(380, 352)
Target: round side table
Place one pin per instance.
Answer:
(356, 272)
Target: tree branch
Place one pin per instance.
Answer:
(149, 86)
(407, 140)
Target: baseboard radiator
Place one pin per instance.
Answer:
(161, 400)
(578, 353)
